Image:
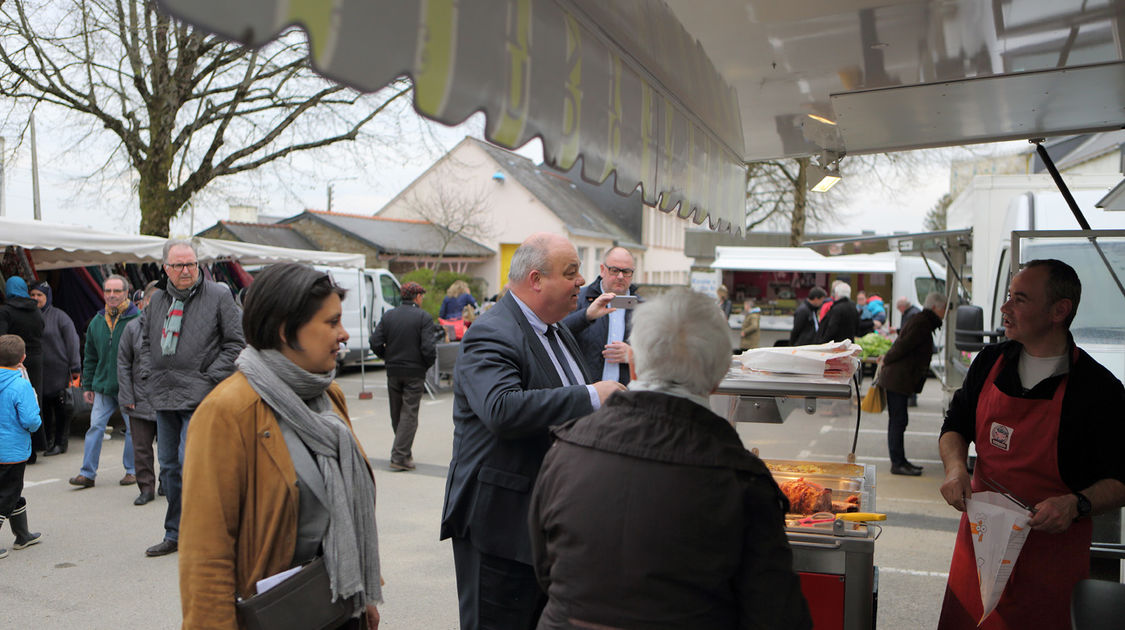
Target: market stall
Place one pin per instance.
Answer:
(831, 525)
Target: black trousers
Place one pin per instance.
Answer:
(405, 398)
(495, 593)
(57, 412)
(896, 426)
(11, 487)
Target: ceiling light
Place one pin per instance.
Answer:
(822, 119)
(826, 174)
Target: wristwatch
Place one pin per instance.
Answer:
(1084, 506)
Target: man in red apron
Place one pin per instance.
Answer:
(1047, 422)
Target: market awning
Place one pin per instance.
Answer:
(620, 85)
(799, 260)
(57, 246)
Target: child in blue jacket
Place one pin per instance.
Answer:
(19, 418)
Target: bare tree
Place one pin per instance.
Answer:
(937, 217)
(185, 107)
(778, 193)
(453, 207)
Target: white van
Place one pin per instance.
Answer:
(371, 292)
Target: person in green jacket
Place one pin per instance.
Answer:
(99, 379)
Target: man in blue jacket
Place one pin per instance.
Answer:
(603, 338)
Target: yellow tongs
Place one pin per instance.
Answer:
(861, 516)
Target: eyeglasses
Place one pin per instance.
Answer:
(180, 267)
(614, 271)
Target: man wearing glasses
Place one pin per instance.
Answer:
(602, 337)
(191, 333)
(99, 379)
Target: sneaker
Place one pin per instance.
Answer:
(162, 548)
(3, 552)
(128, 480)
(81, 481)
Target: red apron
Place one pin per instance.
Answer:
(1017, 447)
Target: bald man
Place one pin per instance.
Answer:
(518, 374)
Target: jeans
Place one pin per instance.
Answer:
(405, 397)
(103, 408)
(171, 434)
(896, 426)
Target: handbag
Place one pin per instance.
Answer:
(303, 601)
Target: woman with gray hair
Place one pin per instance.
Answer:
(649, 513)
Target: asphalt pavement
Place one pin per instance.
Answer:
(90, 571)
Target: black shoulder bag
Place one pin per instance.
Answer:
(303, 601)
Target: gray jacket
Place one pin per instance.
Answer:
(210, 340)
(132, 373)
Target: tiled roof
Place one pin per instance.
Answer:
(565, 198)
(396, 236)
(269, 234)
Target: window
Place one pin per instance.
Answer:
(391, 293)
(583, 264)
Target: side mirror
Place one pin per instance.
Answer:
(969, 333)
(969, 330)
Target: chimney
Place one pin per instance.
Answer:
(244, 214)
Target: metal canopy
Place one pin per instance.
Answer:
(902, 243)
(910, 74)
(620, 85)
(677, 95)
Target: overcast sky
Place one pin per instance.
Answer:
(67, 196)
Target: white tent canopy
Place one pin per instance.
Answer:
(800, 259)
(57, 245)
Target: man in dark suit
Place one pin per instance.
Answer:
(518, 374)
(603, 338)
(842, 320)
(805, 321)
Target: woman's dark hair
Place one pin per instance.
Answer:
(285, 294)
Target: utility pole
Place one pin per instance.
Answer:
(34, 173)
(2, 182)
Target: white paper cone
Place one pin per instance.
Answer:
(998, 528)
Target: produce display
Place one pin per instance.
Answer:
(873, 344)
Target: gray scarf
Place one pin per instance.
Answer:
(351, 546)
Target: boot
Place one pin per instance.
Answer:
(24, 538)
(3, 551)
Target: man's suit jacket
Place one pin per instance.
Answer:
(592, 335)
(506, 395)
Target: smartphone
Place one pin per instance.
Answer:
(624, 301)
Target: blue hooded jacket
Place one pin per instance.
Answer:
(19, 416)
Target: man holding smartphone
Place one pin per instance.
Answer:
(603, 337)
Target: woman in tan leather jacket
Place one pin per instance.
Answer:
(242, 500)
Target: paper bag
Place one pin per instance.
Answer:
(826, 359)
(998, 529)
(874, 401)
